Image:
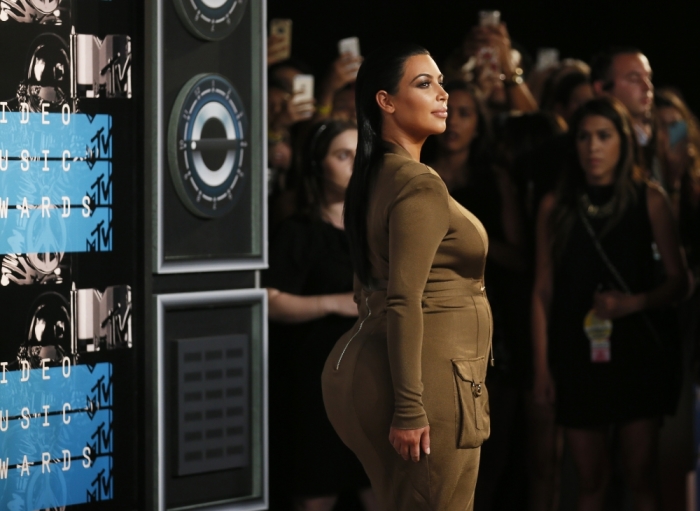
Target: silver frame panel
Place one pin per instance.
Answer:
(259, 452)
(259, 158)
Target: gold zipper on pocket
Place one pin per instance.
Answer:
(369, 313)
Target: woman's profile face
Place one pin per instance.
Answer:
(462, 122)
(337, 165)
(420, 104)
(598, 146)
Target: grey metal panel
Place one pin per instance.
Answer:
(213, 403)
(259, 396)
(259, 136)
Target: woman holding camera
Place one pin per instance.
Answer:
(604, 338)
(404, 388)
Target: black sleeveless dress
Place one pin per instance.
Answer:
(642, 378)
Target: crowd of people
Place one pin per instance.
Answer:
(587, 181)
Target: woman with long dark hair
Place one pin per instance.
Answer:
(604, 338)
(404, 388)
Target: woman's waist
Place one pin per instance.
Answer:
(452, 287)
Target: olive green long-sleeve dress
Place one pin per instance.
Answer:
(418, 352)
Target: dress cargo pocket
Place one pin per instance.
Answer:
(473, 415)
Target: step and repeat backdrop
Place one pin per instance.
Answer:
(132, 224)
(69, 351)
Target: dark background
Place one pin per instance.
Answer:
(665, 31)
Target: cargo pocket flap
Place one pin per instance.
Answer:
(472, 370)
(473, 401)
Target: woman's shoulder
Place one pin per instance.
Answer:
(657, 200)
(400, 172)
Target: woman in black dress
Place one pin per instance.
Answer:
(604, 339)
(310, 305)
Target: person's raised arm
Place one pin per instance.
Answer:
(418, 221)
(519, 96)
(541, 302)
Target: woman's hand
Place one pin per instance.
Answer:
(342, 304)
(342, 72)
(497, 37)
(410, 442)
(297, 111)
(544, 391)
(614, 304)
(289, 308)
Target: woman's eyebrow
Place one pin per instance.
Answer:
(428, 75)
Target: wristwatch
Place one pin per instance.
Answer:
(515, 79)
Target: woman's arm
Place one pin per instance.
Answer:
(289, 308)
(614, 304)
(418, 221)
(541, 302)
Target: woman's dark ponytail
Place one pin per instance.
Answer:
(381, 70)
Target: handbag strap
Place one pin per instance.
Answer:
(603, 255)
(616, 275)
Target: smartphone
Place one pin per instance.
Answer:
(349, 45)
(282, 29)
(489, 18)
(546, 58)
(303, 88)
(677, 132)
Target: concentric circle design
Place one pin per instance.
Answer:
(211, 20)
(206, 145)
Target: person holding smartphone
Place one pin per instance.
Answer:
(500, 78)
(336, 94)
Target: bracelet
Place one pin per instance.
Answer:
(274, 137)
(515, 79)
(324, 110)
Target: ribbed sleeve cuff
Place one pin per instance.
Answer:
(415, 422)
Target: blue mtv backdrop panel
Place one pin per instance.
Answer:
(56, 441)
(55, 182)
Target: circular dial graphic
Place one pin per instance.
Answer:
(206, 145)
(211, 20)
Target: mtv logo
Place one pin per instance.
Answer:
(102, 320)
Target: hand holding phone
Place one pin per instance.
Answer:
(487, 58)
(489, 18)
(350, 46)
(279, 43)
(302, 103)
(546, 58)
(346, 67)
